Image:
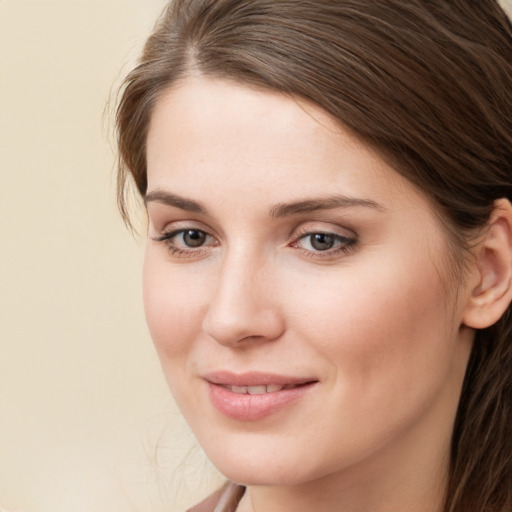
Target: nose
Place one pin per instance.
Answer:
(244, 308)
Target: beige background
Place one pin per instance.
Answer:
(82, 400)
(86, 423)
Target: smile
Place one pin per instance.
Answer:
(254, 396)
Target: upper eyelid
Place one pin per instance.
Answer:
(303, 228)
(328, 233)
(178, 225)
(170, 233)
(332, 229)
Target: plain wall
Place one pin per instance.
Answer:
(86, 421)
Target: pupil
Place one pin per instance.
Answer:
(322, 242)
(194, 238)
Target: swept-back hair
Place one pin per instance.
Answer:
(426, 83)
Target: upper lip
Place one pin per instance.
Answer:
(227, 378)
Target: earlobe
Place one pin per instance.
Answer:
(491, 295)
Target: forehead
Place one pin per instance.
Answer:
(209, 136)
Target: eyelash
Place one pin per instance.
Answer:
(344, 244)
(182, 252)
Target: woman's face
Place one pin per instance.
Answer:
(297, 290)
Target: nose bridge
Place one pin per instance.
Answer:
(243, 307)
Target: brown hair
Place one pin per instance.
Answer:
(428, 84)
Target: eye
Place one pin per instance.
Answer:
(187, 242)
(324, 242)
(321, 241)
(193, 237)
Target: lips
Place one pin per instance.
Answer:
(254, 396)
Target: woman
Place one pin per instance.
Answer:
(329, 259)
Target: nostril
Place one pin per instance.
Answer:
(244, 329)
(242, 310)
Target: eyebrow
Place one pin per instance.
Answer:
(279, 210)
(169, 199)
(327, 203)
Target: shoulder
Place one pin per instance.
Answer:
(225, 499)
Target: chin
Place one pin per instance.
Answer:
(249, 469)
(261, 476)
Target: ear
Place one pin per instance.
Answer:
(491, 295)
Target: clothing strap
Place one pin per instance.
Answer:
(226, 499)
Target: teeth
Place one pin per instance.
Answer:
(273, 388)
(256, 390)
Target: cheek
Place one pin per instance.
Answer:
(173, 308)
(384, 326)
(388, 338)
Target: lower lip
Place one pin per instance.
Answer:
(245, 407)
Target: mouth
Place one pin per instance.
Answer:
(262, 389)
(254, 396)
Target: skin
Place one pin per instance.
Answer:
(374, 320)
